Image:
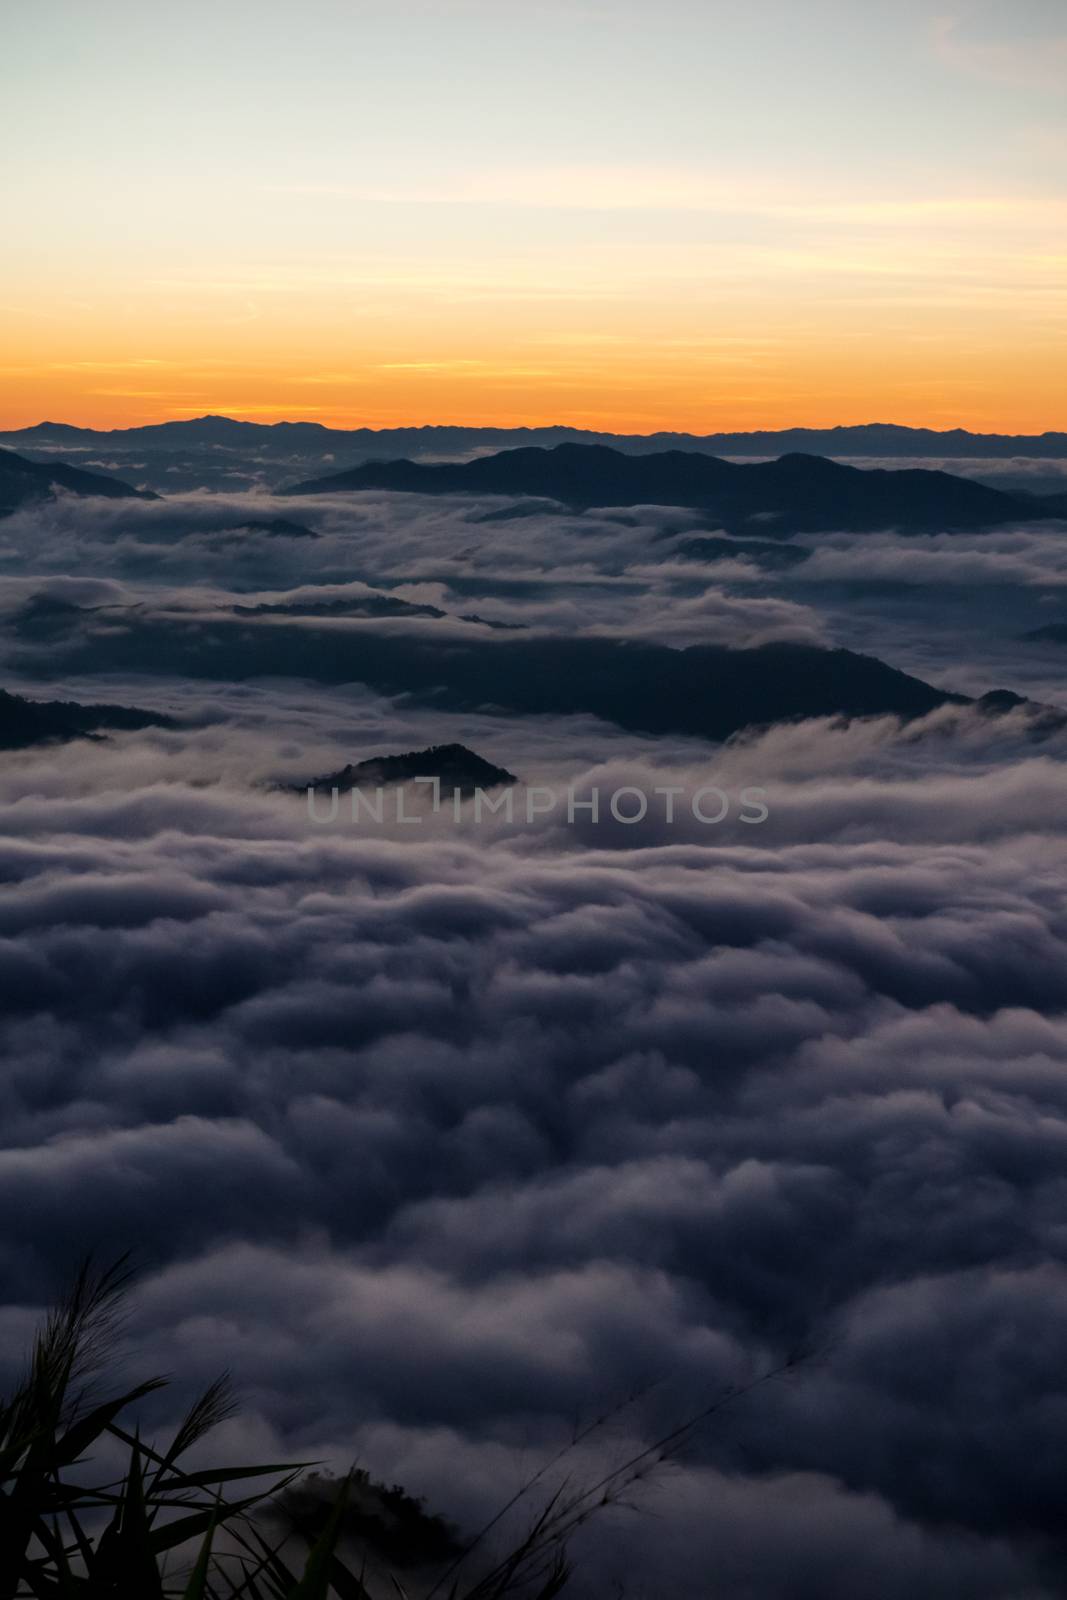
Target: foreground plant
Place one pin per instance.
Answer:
(64, 1536)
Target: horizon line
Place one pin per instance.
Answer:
(530, 427)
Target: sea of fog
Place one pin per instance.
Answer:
(445, 1136)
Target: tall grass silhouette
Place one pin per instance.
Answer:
(163, 1529)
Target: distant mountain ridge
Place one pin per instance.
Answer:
(22, 481)
(793, 494)
(863, 439)
(707, 691)
(24, 723)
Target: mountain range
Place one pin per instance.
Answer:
(226, 454)
(794, 494)
(22, 480)
(706, 691)
(30, 722)
(774, 499)
(867, 439)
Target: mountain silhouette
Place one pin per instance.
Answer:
(226, 454)
(709, 691)
(30, 722)
(453, 764)
(793, 494)
(863, 439)
(372, 604)
(22, 481)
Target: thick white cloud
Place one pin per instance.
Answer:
(439, 1135)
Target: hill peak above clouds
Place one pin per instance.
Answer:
(793, 494)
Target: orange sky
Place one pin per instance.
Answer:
(848, 366)
(522, 215)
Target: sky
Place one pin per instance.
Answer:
(625, 216)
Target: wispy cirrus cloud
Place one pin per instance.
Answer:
(1030, 62)
(615, 186)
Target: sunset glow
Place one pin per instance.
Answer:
(724, 217)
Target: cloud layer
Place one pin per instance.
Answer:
(441, 1135)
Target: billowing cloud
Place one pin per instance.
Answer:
(440, 1134)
